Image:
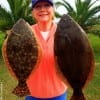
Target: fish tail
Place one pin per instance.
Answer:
(78, 95)
(21, 90)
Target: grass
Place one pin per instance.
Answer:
(95, 41)
(92, 91)
(1, 40)
(8, 82)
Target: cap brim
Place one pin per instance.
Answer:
(42, 1)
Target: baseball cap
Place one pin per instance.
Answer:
(34, 2)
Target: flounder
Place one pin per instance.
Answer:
(73, 55)
(21, 52)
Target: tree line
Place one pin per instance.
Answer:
(84, 12)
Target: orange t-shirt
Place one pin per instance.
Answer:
(44, 82)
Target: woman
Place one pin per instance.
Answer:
(44, 84)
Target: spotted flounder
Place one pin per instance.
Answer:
(20, 53)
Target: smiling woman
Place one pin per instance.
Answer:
(44, 83)
(43, 11)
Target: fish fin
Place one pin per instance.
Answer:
(21, 90)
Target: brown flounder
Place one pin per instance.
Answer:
(21, 52)
(73, 55)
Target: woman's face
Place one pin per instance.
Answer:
(43, 12)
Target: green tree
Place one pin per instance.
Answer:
(84, 11)
(17, 9)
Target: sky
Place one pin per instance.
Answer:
(61, 10)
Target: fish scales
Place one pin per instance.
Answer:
(73, 55)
